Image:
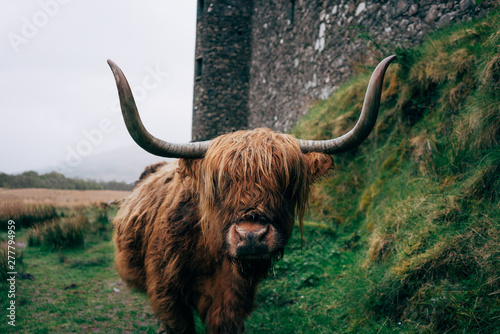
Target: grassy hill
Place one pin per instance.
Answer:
(418, 205)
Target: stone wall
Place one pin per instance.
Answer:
(222, 61)
(302, 50)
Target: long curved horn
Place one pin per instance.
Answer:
(139, 133)
(365, 123)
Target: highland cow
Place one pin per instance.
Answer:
(202, 232)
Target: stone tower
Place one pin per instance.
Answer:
(222, 60)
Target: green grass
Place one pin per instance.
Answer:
(404, 237)
(302, 294)
(74, 290)
(76, 295)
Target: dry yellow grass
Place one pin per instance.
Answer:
(61, 198)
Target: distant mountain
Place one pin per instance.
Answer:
(123, 164)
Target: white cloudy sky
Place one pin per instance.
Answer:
(55, 84)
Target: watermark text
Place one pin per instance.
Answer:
(11, 267)
(31, 26)
(95, 136)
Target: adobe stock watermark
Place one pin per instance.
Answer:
(31, 26)
(11, 272)
(94, 137)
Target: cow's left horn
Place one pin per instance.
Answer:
(365, 123)
(139, 133)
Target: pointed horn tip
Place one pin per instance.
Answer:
(117, 72)
(113, 66)
(379, 72)
(389, 59)
(376, 79)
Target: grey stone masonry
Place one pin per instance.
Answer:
(265, 61)
(222, 63)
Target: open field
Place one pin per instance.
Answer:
(61, 198)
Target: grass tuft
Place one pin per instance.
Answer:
(61, 234)
(25, 215)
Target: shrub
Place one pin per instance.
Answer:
(59, 234)
(25, 215)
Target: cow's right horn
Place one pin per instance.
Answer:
(139, 133)
(365, 123)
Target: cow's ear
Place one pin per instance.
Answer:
(319, 164)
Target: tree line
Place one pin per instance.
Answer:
(56, 180)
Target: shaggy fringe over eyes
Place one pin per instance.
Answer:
(250, 169)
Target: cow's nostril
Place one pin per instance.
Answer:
(241, 232)
(250, 240)
(238, 235)
(262, 234)
(251, 236)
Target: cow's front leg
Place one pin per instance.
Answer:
(226, 299)
(165, 329)
(230, 306)
(175, 318)
(224, 324)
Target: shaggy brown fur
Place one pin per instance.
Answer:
(171, 233)
(150, 170)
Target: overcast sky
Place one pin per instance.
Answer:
(57, 94)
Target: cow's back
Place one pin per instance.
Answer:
(135, 222)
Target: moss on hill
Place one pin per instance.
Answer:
(423, 192)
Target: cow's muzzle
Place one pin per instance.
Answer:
(252, 241)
